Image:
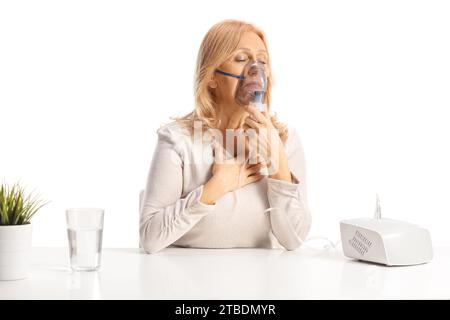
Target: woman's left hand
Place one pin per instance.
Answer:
(267, 143)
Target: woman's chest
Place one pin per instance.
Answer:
(238, 217)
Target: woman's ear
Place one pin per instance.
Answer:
(212, 84)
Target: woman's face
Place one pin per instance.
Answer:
(251, 47)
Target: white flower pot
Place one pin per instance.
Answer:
(15, 249)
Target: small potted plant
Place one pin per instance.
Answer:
(16, 211)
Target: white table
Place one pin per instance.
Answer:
(177, 273)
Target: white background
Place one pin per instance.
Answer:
(85, 84)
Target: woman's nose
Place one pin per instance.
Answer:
(255, 69)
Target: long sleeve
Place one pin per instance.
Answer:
(164, 215)
(291, 218)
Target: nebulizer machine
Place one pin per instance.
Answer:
(376, 240)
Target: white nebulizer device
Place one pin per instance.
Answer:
(385, 241)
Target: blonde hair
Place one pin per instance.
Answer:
(217, 46)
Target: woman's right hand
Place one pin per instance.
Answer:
(228, 174)
(233, 174)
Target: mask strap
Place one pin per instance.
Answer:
(229, 74)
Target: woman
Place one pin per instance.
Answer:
(192, 202)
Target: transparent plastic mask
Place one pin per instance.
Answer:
(252, 84)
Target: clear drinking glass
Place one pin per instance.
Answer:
(84, 230)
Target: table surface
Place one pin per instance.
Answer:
(179, 273)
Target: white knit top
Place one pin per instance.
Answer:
(172, 215)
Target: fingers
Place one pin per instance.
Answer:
(254, 178)
(255, 113)
(253, 169)
(252, 123)
(242, 121)
(259, 164)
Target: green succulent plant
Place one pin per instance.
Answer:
(17, 208)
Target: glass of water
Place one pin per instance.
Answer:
(85, 229)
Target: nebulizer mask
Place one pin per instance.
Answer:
(252, 84)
